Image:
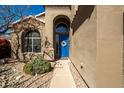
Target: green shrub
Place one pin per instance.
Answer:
(28, 68)
(38, 66)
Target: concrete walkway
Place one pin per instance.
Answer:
(62, 77)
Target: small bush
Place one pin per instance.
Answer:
(37, 66)
(28, 68)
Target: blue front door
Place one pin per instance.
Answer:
(63, 45)
(62, 40)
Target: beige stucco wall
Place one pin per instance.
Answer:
(41, 17)
(74, 8)
(50, 13)
(97, 45)
(109, 46)
(83, 44)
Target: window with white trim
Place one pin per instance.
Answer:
(32, 42)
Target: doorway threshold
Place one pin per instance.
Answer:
(64, 58)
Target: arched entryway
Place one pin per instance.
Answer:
(61, 37)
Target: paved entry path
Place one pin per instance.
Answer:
(62, 77)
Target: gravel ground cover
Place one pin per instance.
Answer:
(77, 78)
(12, 75)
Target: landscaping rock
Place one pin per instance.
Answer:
(77, 78)
(19, 77)
(12, 76)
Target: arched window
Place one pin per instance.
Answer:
(32, 42)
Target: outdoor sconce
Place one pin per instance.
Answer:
(82, 66)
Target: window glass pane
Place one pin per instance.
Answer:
(61, 28)
(29, 48)
(36, 41)
(35, 34)
(29, 34)
(37, 48)
(36, 45)
(28, 42)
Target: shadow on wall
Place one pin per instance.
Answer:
(84, 12)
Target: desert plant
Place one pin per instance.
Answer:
(37, 66)
(28, 68)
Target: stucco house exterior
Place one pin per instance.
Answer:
(90, 36)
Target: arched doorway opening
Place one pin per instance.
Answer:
(61, 37)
